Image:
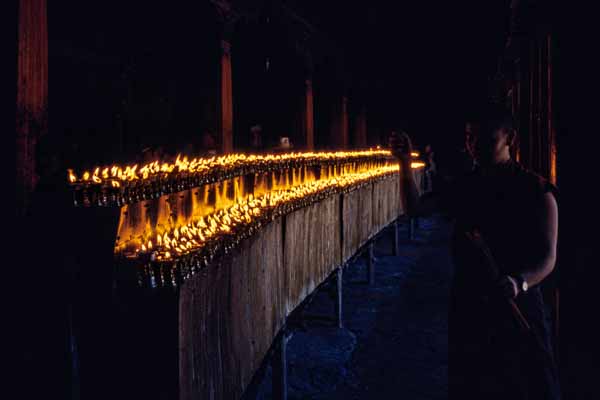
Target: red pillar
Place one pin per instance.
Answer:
(32, 93)
(360, 129)
(339, 125)
(345, 142)
(550, 116)
(226, 100)
(309, 119)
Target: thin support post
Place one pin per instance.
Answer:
(279, 381)
(411, 229)
(396, 240)
(370, 264)
(338, 302)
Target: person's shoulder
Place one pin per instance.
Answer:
(534, 182)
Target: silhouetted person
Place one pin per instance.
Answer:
(209, 143)
(256, 139)
(430, 168)
(502, 208)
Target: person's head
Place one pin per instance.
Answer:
(428, 153)
(495, 136)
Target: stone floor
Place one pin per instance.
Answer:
(394, 341)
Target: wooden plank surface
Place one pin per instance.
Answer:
(231, 312)
(229, 315)
(311, 248)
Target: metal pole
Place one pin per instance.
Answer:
(370, 264)
(75, 395)
(280, 367)
(396, 240)
(338, 303)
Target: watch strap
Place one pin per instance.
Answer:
(521, 283)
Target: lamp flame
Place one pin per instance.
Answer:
(194, 235)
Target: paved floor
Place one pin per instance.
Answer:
(394, 341)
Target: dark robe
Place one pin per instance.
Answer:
(489, 357)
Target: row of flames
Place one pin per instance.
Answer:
(192, 236)
(116, 174)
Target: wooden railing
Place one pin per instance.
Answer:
(230, 309)
(230, 314)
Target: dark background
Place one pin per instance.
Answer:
(126, 75)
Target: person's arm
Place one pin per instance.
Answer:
(548, 222)
(545, 252)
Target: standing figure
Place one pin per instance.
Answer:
(256, 139)
(430, 169)
(504, 247)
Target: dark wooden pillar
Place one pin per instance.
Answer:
(360, 129)
(227, 17)
(550, 114)
(226, 99)
(536, 128)
(339, 127)
(344, 124)
(32, 93)
(309, 118)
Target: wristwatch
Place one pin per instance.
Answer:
(522, 283)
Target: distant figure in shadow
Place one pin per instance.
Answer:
(256, 139)
(209, 143)
(504, 247)
(430, 168)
